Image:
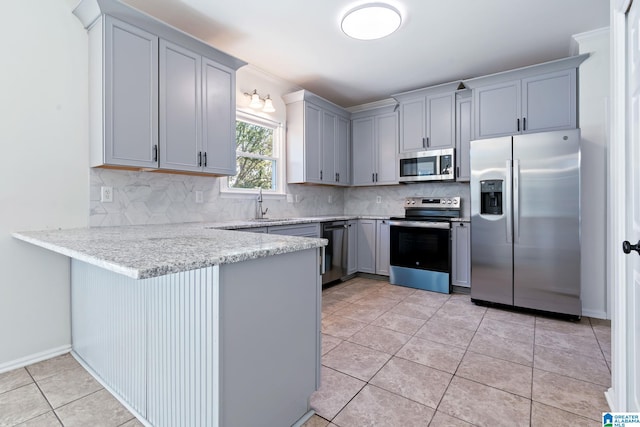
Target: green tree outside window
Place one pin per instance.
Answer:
(256, 166)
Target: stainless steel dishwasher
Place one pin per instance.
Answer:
(335, 251)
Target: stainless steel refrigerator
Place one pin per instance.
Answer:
(525, 221)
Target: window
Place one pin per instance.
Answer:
(258, 162)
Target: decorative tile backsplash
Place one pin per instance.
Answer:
(160, 198)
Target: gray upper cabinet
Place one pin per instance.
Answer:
(342, 152)
(159, 97)
(374, 135)
(317, 140)
(427, 118)
(539, 98)
(130, 97)
(180, 108)
(196, 116)
(219, 118)
(464, 135)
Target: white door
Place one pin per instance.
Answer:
(632, 220)
(624, 210)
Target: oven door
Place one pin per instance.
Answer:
(420, 254)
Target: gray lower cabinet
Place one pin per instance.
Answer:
(302, 230)
(373, 246)
(352, 250)
(464, 135)
(367, 246)
(461, 254)
(382, 247)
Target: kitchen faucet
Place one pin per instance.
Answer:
(260, 213)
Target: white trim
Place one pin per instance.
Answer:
(34, 358)
(617, 394)
(596, 314)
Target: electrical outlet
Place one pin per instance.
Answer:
(378, 199)
(330, 198)
(106, 194)
(199, 196)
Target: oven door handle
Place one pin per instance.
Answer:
(421, 224)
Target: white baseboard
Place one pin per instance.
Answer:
(597, 314)
(34, 358)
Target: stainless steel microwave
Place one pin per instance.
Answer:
(430, 165)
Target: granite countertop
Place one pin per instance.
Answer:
(271, 222)
(147, 251)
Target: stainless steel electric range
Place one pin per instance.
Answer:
(420, 243)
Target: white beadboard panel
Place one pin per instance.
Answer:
(108, 329)
(153, 342)
(183, 347)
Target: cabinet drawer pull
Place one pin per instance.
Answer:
(424, 142)
(199, 159)
(428, 142)
(376, 176)
(524, 123)
(320, 175)
(457, 171)
(205, 159)
(155, 153)
(373, 177)
(518, 125)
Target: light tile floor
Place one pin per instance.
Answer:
(395, 356)
(392, 356)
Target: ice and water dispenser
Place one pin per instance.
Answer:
(491, 197)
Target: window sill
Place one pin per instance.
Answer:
(230, 194)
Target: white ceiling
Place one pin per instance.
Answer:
(439, 40)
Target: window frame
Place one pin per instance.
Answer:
(278, 156)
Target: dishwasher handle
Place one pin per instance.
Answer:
(335, 227)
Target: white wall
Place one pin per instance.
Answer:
(593, 108)
(43, 169)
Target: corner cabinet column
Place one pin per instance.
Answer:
(318, 140)
(180, 108)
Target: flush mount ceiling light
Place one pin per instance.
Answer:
(371, 21)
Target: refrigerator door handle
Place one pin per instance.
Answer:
(516, 201)
(507, 201)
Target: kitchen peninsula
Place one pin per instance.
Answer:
(191, 325)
